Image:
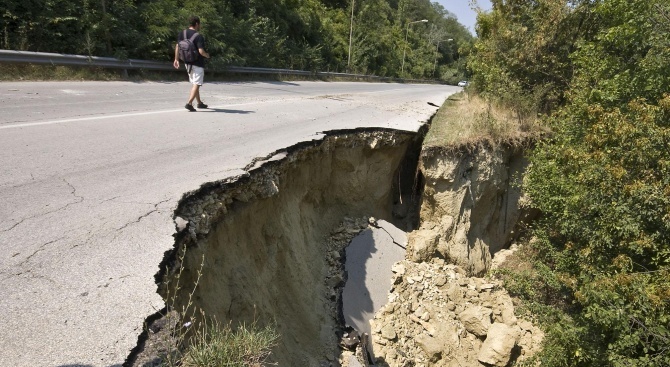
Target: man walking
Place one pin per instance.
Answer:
(195, 69)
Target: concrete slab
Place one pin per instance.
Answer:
(369, 259)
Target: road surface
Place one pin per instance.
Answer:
(90, 173)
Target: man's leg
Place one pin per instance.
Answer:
(197, 98)
(196, 76)
(195, 93)
(199, 78)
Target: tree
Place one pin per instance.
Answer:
(524, 49)
(603, 184)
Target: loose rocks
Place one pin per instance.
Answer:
(497, 347)
(436, 316)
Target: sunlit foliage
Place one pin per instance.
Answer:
(297, 34)
(602, 181)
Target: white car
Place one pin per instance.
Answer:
(463, 83)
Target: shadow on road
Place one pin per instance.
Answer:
(357, 298)
(271, 82)
(224, 110)
(271, 85)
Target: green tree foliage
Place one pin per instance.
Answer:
(602, 180)
(299, 34)
(89, 27)
(524, 49)
(376, 44)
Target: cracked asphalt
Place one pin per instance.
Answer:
(90, 173)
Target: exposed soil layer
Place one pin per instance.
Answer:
(470, 207)
(269, 246)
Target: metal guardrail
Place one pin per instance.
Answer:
(43, 58)
(28, 57)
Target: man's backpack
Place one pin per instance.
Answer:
(188, 52)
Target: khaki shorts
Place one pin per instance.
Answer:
(196, 74)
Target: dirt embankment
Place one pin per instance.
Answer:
(269, 246)
(270, 243)
(470, 206)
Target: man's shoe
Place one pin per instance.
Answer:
(202, 105)
(190, 107)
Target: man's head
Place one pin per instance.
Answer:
(194, 21)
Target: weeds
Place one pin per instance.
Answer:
(216, 345)
(28, 72)
(179, 321)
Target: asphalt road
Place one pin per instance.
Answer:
(90, 173)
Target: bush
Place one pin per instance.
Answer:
(602, 181)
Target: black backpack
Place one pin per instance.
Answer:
(188, 53)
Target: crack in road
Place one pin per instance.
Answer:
(8, 186)
(255, 160)
(390, 235)
(88, 238)
(73, 192)
(41, 248)
(139, 219)
(110, 199)
(33, 276)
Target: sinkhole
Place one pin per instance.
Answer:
(275, 245)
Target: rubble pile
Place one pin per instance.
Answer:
(438, 316)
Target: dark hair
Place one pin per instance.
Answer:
(193, 21)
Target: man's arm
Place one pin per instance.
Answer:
(200, 44)
(176, 57)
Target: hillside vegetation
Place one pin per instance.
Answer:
(598, 73)
(298, 34)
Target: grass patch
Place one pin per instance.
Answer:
(467, 119)
(216, 345)
(28, 72)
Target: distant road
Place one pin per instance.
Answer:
(90, 173)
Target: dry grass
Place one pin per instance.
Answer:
(466, 119)
(27, 72)
(32, 72)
